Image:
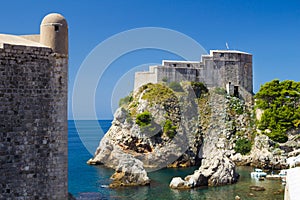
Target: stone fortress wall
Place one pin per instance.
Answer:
(33, 113)
(228, 69)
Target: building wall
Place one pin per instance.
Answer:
(218, 69)
(171, 74)
(33, 123)
(145, 77)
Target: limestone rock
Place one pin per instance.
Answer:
(129, 172)
(177, 182)
(215, 171)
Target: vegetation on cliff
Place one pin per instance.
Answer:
(242, 146)
(143, 119)
(280, 102)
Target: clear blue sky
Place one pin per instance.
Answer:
(269, 29)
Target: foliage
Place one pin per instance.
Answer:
(277, 136)
(242, 146)
(125, 100)
(143, 119)
(236, 105)
(169, 129)
(280, 104)
(175, 86)
(157, 93)
(220, 91)
(199, 88)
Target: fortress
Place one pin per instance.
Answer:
(33, 112)
(228, 69)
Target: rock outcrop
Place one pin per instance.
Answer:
(157, 127)
(170, 137)
(216, 171)
(153, 144)
(268, 154)
(216, 168)
(129, 171)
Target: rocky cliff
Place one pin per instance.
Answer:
(159, 127)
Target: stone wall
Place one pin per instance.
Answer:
(215, 70)
(142, 77)
(33, 123)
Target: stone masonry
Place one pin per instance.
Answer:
(33, 120)
(218, 69)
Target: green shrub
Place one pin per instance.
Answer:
(143, 119)
(278, 137)
(242, 146)
(175, 86)
(169, 129)
(157, 93)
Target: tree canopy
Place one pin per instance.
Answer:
(280, 102)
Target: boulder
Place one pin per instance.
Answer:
(177, 182)
(129, 172)
(214, 171)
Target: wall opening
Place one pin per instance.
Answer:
(56, 28)
(236, 91)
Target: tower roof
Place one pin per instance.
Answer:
(17, 40)
(54, 18)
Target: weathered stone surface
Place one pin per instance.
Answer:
(149, 144)
(264, 154)
(218, 170)
(129, 172)
(33, 123)
(178, 183)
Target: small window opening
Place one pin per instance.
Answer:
(188, 65)
(56, 28)
(236, 91)
(174, 65)
(221, 54)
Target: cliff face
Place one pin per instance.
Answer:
(163, 128)
(159, 127)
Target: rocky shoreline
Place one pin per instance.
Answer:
(181, 130)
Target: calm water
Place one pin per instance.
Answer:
(84, 178)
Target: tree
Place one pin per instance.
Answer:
(280, 103)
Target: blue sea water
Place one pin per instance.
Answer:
(85, 178)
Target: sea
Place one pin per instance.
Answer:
(91, 182)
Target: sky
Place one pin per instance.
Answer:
(269, 30)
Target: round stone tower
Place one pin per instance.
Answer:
(54, 33)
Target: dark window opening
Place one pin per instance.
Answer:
(56, 28)
(221, 54)
(174, 65)
(188, 65)
(236, 91)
